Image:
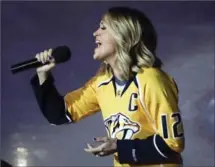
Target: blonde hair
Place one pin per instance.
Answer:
(135, 38)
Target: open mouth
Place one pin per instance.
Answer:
(98, 44)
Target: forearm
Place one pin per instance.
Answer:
(152, 150)
(51, 103)
(42, 76)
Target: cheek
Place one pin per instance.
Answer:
(108, 48)
(110, 44)
(111, 40)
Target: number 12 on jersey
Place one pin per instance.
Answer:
(172, 122)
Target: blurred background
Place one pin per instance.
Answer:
(185, 44)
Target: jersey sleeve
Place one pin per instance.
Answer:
(161, 101)
(83, 101)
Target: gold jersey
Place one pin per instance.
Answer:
(147, 105)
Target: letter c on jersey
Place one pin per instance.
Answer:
(132, 102)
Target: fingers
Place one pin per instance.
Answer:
(97, 151)
(44, 56)
(101, 139)
(94, 150)
(101, 154)
(46, 59)
(104, 149)
(49, 52)
(89, 146)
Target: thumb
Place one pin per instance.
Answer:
(51, 65)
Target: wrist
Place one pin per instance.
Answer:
(42, 76)
(115, 145)
(42, 73)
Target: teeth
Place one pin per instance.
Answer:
(98, 43)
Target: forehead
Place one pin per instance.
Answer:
(103, 19)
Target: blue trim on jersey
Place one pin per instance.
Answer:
(135, 82)
(106, 82)
(128, 83)
(121, 83)
(114, 85)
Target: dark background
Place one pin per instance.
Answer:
(186, 45)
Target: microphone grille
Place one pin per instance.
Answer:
(61, 54)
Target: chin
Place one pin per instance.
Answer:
(97, 57)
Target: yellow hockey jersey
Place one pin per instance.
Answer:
(147, 105)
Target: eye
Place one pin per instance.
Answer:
(102, 27)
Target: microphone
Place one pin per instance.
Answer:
(60, 54)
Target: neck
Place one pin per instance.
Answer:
(113, 64)
(117, 73)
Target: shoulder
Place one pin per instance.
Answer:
(98, 79)
(153, 74)
(154, 77)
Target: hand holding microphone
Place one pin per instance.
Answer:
(58, 55)
(45, 57)
(48, 63)
(44, 62)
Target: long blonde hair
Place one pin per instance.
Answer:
(135, 37)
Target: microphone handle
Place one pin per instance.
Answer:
(33, 63)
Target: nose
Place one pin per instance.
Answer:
(96, 33)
